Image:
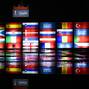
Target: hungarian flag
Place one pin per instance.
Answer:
(82, 25)
(67, 25)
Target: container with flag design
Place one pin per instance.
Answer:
(13, 67)
(81, 68)
(30, 57)
(2, 67)
(47, 35)
(47, 67)
(65, 67)
(81, 25)
(2, 37)
(64, 38)
(30, 36)
(66, 25)
(13, 36)
(81, 38)
(30, 67)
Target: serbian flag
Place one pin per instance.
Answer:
(67, 25)
(81, 68)
(64, 32)
(82, 25)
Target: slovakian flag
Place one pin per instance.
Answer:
(81, 68)
(65, 67)
(67, 25)
(82, 25)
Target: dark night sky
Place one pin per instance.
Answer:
(48, 9)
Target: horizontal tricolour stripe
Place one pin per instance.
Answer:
(82, 44)
(47, 32)
(29, 72)
(46, 39)
(13, 33)
(32, 23)
(64, 30)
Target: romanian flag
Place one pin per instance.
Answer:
(67, 25)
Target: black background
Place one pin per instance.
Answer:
(47, 10)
